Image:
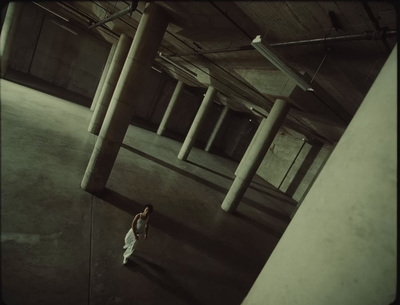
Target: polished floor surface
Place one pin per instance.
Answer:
(61, 245)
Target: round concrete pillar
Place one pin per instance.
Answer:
(13, 14)
(174, 98)
(110, 83)
(134, 74)
(191, 136)
(103, 76)
(216, 128)
(268, 129)
(248, 150)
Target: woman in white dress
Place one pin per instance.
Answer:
(138, 230)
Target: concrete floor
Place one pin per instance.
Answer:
(62, 245)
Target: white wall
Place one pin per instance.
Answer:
(341, 246)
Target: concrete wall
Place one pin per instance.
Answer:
(341, 246)
(235, 134)
(303, 170)
(279, 158)
(3, 12)
(26, 35)
(45, 48)
(156, 93)
(291, 164)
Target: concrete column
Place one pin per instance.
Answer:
(110, 83)
(216, 128)
(191, 136)
(103, 76)
(135, 74)
(174, 98)
(268, 129)
(13, 14)
(341, 246)
(247, 152)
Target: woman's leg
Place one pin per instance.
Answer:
(129, 245)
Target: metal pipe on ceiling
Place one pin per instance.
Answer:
(182, 68)
(377, 27)
(84, 16)
(368, 35)
(74, 11)
(132, 7)
(50, 11)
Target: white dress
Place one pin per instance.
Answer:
(130, 240)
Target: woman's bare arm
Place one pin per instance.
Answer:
(134, 225)
(147, 227)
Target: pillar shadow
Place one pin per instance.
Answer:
(214, 248)
(265, 209)
(210, 170)
(258, 225)
(203, 181)
(267, 185)
(160, 276)
(289, 201)
(176, 169)
(303, 169)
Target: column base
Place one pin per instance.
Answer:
(160, 132)
(235, 194)
(183, 158)
(228, 208)
(90, 185)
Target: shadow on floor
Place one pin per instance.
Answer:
(210, 170)
(303, 169)
(176, 169)
(214, 248)
(266, 210)
(214, 186)
(289, 201)
(266, 185)
(157, 274)
(272, 231)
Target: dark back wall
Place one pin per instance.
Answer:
(58, 52)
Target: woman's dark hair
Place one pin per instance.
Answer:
(150, 207)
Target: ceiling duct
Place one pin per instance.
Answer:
(257, 112)
(264, 49)
(87, 18)
(132, 7)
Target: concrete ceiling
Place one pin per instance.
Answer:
(213, 40)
